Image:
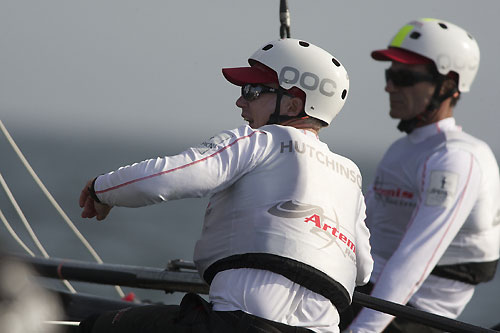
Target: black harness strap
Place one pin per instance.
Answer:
(472, 272)
(298, 272)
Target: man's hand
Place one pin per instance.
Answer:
(90, 207)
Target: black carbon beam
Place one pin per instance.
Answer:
(419, 316)
(122, 275)
(181, 276)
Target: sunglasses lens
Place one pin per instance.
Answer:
(250, 92)
(404, 78)
(398, 78)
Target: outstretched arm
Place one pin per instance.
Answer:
(196, 172)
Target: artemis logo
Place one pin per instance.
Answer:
(294, 209)
(314, 216)
(308, 80)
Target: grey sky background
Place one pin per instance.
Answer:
(84, 85)
(146, 70)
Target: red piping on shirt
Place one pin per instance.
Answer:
(447, 229)
(413, 218)
(179, 167)
(409, 224)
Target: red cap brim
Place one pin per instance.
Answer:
(400, 55)
(243, 75)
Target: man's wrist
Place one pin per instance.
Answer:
(92, 191)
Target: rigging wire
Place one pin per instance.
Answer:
(13, 233)
(53, 201)
(28, 227)
(23, 218)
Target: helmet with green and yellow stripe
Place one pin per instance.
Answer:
(449, 47)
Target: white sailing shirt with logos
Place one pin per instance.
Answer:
(435, 201)
(256, 180)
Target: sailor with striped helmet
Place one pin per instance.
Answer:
(284, 242)
(433, 209)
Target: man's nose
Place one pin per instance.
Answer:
(389, 86)
(241, 102)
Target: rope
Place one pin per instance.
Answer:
(53, 201)
(28, 227)
(62, 322)
(23, 218)
(14, 235)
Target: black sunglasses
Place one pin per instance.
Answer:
(406, 78)
(251, 92)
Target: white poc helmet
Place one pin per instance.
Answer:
(300, 64)
(451, 48)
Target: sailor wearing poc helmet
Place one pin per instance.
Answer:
(433, 210)
(284, 237)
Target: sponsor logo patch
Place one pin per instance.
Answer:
(214, 143)
(393, 193)
(442, 188)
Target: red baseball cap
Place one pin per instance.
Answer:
(256, 73)
(400, 55)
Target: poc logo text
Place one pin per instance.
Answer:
(308, 80)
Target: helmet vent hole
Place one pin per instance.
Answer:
(304, 44)
(469, 35)
(442, 25)
(267, 47)
(336, 62)
(415, 35)
(344, 94)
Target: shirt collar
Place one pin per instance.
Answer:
(310, 133)
(421, 133)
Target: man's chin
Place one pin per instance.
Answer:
(394, 115)
(399, 114)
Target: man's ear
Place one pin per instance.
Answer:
(294, 106)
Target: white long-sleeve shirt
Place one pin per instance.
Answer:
(261, 183)
(434, 202)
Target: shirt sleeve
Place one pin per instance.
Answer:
(449, 186)
(199, 171)
(364, 260)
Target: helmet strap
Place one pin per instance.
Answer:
(276, 117)
(409, 125)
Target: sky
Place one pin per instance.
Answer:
(146, 70)
(112, 74)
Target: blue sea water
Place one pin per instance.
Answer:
(148, 236)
